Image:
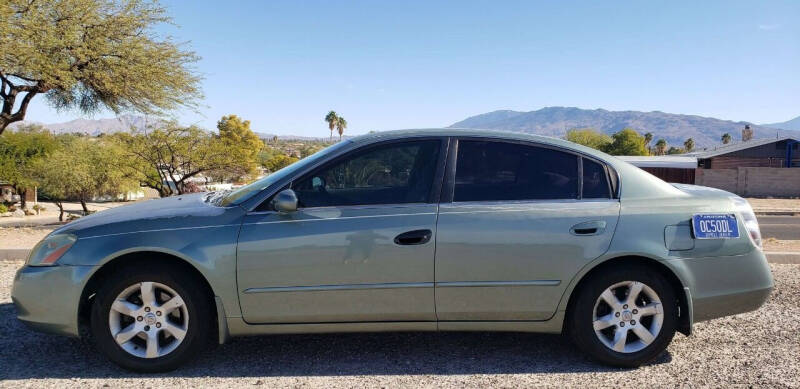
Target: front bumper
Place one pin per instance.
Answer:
(727, 285)
(47, 297)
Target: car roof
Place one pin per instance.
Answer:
(469, 132)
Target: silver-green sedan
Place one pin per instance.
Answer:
(425, 230)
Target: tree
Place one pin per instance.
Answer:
(589, 137)
(341, 125)
(676, 150)
(19, 150)
(661, 146)
(689, 145)
(648, 137)
(626, 142)
(747, 133)
(94, 171)
(89, 55)
(242, 143)
(278, 161)
(165, 159)
(332, 119)
(726, 138)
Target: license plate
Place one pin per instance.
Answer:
(715, 226)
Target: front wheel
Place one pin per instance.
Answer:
(624, 317)
(150, 319)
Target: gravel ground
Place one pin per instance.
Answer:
(760, 348)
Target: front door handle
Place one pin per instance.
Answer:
(595, 227)
(413, 237)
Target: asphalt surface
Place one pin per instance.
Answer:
(759, 348)
(780, 227)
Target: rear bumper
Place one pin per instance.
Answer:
(47, 298)
(728, 285)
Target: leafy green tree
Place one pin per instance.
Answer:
(19, 150)
(626, 142)
(332, 119)
(726, 138)
(242, 144)
(89, 55)
(341, 125)
(96, 171)
(676, 150)
(648, 137)
(61, 177)
(661, 147)
(278, 161)
(689, 145)
(165, 159)
(589, 137)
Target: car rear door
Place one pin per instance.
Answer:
(360, 247)
(516, 223)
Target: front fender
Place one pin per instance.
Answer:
(209, 249)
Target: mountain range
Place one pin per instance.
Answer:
(674, 128)
(549, 121)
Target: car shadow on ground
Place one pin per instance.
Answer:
(27, 354)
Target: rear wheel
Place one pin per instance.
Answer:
(150, 319)
(624, 317)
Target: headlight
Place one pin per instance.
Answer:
(749, 219)
(49, 250)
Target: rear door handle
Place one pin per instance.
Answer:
(594, 227)
(413, 237)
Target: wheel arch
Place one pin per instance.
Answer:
(119, 261)
(681, 292)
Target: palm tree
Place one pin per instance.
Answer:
(331, 118)
(648, 137)
(726, 138)
(661, 146)
(341, 124)
(689, 145)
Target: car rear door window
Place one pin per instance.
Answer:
(494, 171)
(595, 181)
(396, 173)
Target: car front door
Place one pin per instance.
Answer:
(360, 247)
(516, 223)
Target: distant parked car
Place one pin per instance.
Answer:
(427, 230)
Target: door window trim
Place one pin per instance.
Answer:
(433, 196)
(448, 186)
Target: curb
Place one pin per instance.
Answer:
(776, 213)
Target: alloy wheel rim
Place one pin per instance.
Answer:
(628, 316)
(148, 320)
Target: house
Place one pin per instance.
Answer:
(775, 152)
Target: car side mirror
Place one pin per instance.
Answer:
(285, 201)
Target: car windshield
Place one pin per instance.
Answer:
(240, 195)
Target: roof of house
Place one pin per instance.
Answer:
(664, 161)
(708, 152)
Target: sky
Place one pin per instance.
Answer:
(410, 64)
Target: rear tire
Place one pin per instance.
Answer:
(150, 318)
(618, 329)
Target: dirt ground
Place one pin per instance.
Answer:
(50, 214)
(22, 237)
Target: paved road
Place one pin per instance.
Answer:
(780, 227)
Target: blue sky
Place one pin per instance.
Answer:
(404, 64)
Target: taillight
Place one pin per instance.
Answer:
(749, 219)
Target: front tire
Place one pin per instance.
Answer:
(150, 318)
(625, 316)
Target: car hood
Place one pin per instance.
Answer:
(185, 211)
